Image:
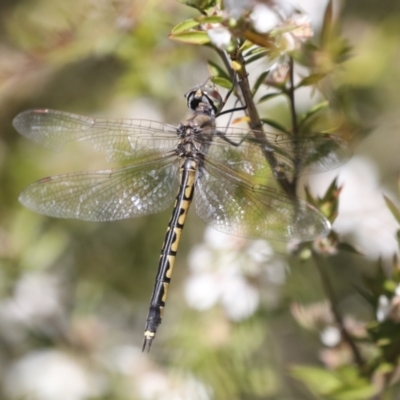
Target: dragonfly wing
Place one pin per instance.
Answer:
(107, 195)
(119, 139)
(247, 157)
(311, 154)
(305, 154)
(232, 204)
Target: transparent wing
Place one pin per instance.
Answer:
(119, 139)
(232, 204)
(294, 156)
(108, 195)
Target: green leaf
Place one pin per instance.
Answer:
(216, 71)
(314, 110)
(393, 209)
(275, 125)
(199, 4)
(210, 19)
(331, 192)
(245, 46)
(311, 79)
(256, 56)
(268, 96)
(390, 286)
(195, 37)
(310, 198)
(225, 83)
(318, 380)
(343, 384)
(362, 393)
(184, 26)
(259, 81)
(328, 25)
(398, 183)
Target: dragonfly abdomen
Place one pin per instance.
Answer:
(170, 249)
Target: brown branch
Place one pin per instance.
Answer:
(328, 288)
(256, 124)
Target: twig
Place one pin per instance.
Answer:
(326, 283)
(255, 122)
(292, 101)
(295, 125)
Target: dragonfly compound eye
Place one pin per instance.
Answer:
(213, 98)
(205, 94)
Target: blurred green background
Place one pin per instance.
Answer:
(74, 295)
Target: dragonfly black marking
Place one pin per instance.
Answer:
(223, 171)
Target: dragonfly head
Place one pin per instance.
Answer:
(207, 95)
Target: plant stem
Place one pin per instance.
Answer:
(292, 101)
(295, 125)
(255, 122)
(328, 288)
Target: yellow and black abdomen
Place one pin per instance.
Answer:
(169, 250)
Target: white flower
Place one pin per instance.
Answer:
(36, 304)
(239, 299)
(49, 375)
(303, 29)
(330, 336)
(202, 291)
(220, 37)
(383, 308)
(264, 18)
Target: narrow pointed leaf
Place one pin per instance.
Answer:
(332, 191)
(216, 71)
(241, 120)
(398, 183)
(309, 197)
(275, 125)
(268, 96)
(314, 110)
(393, 209)
(184, 26)
(210, 19)
(256, 56)
(225, 83)
(245, 46)
(318, 380)
(311, 80)
(195, 37)
(361, 393)
(328, 25)
(259, 81)
(262, 40)
(199, 4)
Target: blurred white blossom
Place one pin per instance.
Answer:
(231, 271)
(157, 385)
(36, 303)
(330, 336)
(141, 377)
(49, 375)
(302, 23)
(264, 18)
(220, 37)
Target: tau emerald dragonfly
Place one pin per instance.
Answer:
(224, 171)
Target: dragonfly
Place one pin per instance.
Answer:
(222, 170)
